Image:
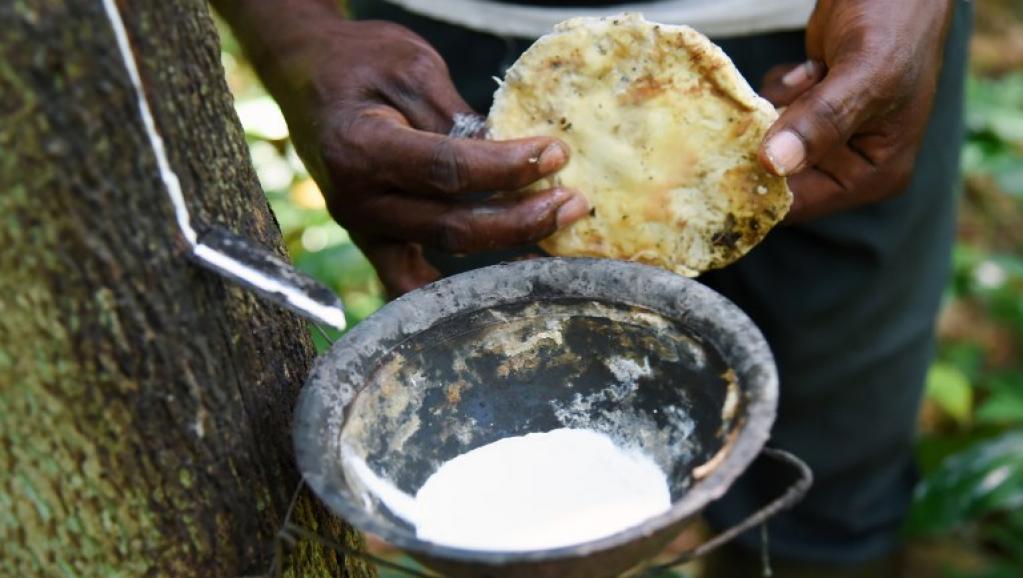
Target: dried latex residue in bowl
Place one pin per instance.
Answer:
(533, 492)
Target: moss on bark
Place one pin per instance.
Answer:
(145, 404)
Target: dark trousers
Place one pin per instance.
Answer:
(847, 304)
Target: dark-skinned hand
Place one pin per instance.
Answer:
(369, 105)
(856, 111)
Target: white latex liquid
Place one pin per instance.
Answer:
(532, 492)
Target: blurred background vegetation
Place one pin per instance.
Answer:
(967, 521)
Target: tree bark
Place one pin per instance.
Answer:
(145, 404)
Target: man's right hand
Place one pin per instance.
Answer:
(369, 105)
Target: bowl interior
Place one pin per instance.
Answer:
(657, 361)
(641, 378)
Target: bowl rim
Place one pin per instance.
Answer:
(598, 279)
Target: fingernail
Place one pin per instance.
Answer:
(574, 209)
(799, 74)
(552, 158)
(786, 152)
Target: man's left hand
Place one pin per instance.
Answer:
(856, 111)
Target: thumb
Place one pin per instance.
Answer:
(822, 118)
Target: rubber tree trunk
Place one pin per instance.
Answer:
(144, 403)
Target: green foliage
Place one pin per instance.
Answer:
(1004, 403)
(984, 480)
(949, 388)
(973, 456)
(995, 126)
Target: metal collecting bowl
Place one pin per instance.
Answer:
(655, 360)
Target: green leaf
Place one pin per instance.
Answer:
(341, 267)
(932, 450)
(949, 388)
(986, 478)
(965, 259)
(1010, 178)
(1000, 571)
(1007, 124)
(1001, 408)
(966, 356)
(361, 305)
(1004, 404)
(1007, 535)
